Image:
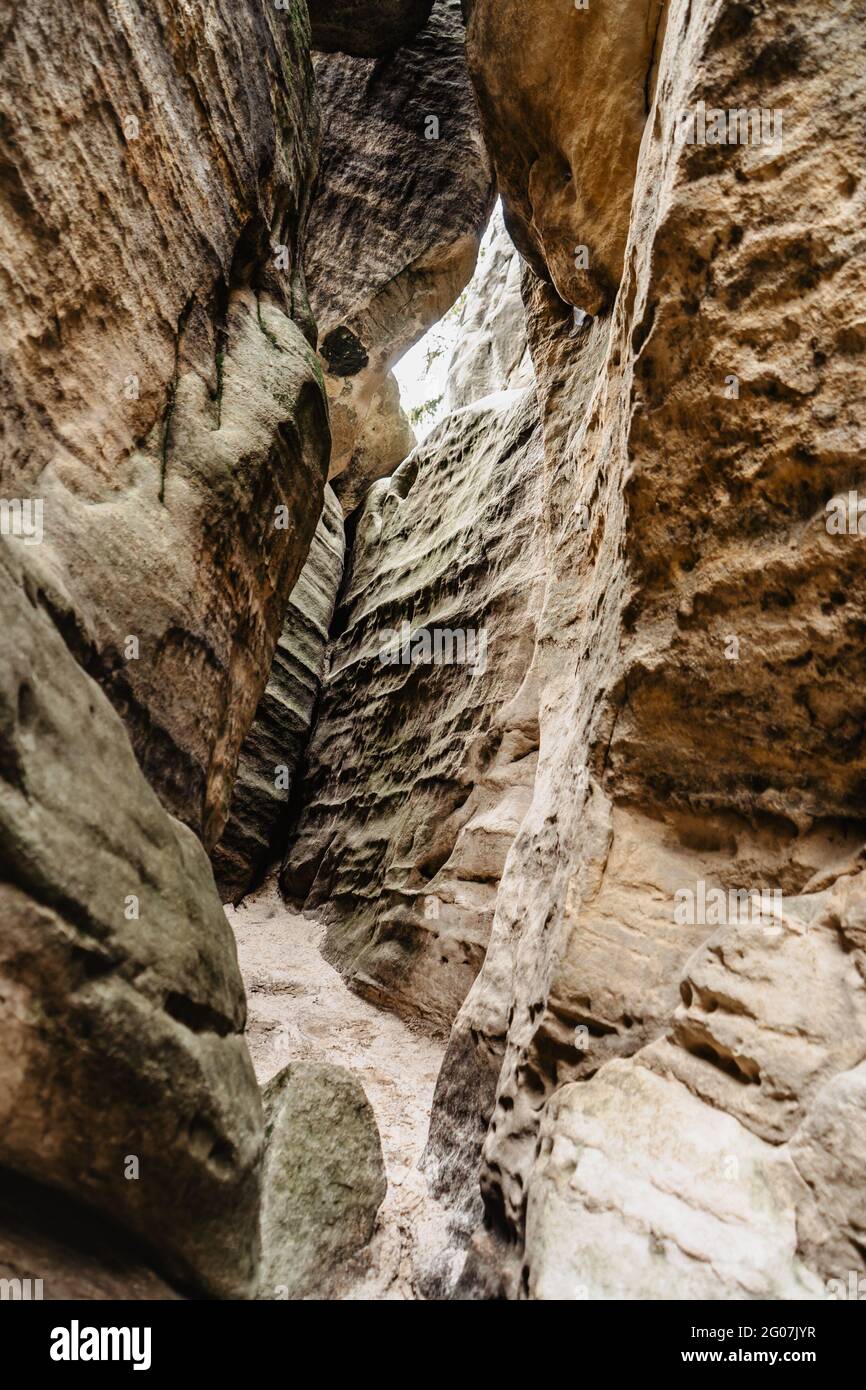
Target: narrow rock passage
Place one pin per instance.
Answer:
(300, 1007)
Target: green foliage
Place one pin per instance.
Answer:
(419, 413)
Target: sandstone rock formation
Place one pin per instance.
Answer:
(564, 92)
(491, 353)
(165, 447)
(124, 1077)
(324, 1179)
(423, 756)
(164, 401)
(273, 747)
(584, 787)
(404, 192)
(701, 696)
(366, 28)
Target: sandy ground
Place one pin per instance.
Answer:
(298, 1006)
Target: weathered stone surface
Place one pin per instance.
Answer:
(323, 1178)
(642, 1096)
(693, 439)
(640, 1192)
(420, 771)
(366, 28)
(163, 398)
(371, 431)
(491, 352)
(121, 1006)
(273, 747)
(47, 1238)
(564, 94)
(404, 192)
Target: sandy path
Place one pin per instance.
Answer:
(299, 1006)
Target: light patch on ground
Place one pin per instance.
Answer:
(299, 1007)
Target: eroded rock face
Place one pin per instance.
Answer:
(164, 399)
(124, 1077)
(366, 28)
(272, 749)
(564, 94)
(423, 757)
(693, 1204)
(323, 1181)
(167, 428)
(700, 676)
(491, 352)
(404, 192)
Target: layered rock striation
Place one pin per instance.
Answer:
(700, 698)
(272, 751)
(164, 456)
(423, 756)
(165, 405)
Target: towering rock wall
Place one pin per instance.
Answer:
(586, 785)
(636, 1060)
(275, 744)
(423, 755)
(164, 455)
(165, 406)
(490, 353)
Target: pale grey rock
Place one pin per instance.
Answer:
(273, 748)
(642, 1193)
(491, 352)
(323, 1178)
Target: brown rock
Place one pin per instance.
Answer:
(273, 747)
(693, 440)
(404, 192)
(163, 398)
(564, 93)
(125, 1081)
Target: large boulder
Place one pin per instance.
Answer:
(564, 92)
(125, 1080)
(323, 1180)
(273, 747)
(405, 189)
(165, 405)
